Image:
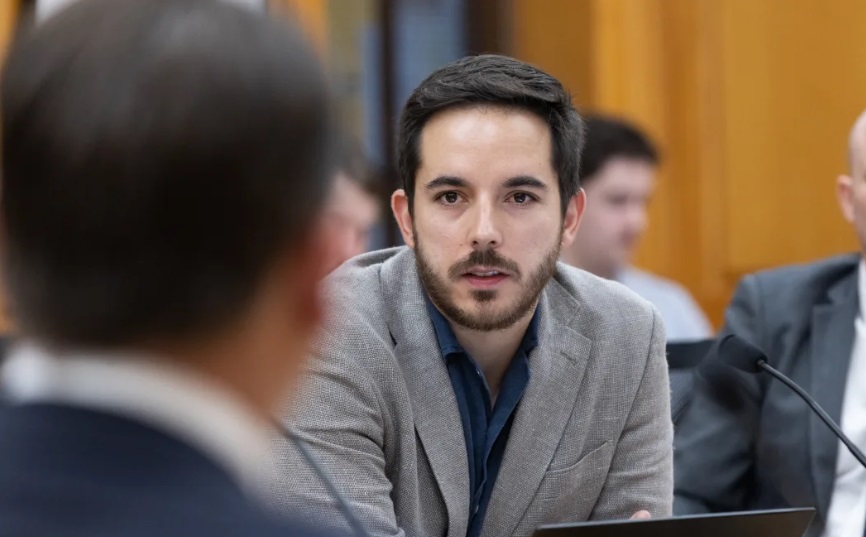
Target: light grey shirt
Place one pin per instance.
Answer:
(684, 320)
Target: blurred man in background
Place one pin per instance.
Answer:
(354, 208)
(618, 173)
(748, 443)
(165, 164)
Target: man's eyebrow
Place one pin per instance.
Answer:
(446, 180)
(525, 181)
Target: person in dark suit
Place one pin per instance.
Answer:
(747, 441)
(164, 169)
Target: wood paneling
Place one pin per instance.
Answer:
(556, 35)
(794, 80)
(750, 102)
(9, 10)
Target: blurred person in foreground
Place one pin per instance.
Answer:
(354, 207)
(164, 169)
(468, 384)
(747, 441)
(618, 172)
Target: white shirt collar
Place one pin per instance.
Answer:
(164, 395)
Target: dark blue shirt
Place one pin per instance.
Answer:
(485, 427)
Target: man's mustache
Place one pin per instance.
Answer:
(486, 258)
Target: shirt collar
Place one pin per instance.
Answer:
(448, 343)
(166, 396)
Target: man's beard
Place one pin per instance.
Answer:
(486, 319)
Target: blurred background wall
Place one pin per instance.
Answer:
(749, 100)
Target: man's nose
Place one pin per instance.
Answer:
(485, 232)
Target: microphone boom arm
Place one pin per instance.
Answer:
(818, 410)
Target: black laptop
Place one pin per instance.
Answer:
(775, 523)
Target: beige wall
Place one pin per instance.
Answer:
(751, 103)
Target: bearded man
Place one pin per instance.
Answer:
(469, 384)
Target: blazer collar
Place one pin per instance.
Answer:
(557, 365)
(434, 406)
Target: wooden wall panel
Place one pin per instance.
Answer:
(561, 44)
(629, 80)
(8, 19)
(794, 80)
(750, 102)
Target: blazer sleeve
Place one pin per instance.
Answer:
(715, 440)
(339, 417)
(640, 476)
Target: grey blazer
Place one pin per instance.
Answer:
(592, 436)
(747, 441)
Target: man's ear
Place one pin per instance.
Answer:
(400, 205)
(845, 195)
(573, 214)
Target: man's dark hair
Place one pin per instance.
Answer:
(357, 168)
(491, 80)
(608, 138)
(159, 156)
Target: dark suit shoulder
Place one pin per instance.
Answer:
(805, 282)
(68, 471)
(170, 520)
(774, 308)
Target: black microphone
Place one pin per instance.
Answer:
(740, 354)
(355, 523)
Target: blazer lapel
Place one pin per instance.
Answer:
(556, 368)
(434, 406)
(832, 343)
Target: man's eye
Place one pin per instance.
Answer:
(521, 198)
(450, 197)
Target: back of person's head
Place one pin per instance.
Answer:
(492, 80)
(354, 165)
(159, 157)
(608, 138)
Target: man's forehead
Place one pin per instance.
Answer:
(624, 170)
(465, 125)
(504, 181)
